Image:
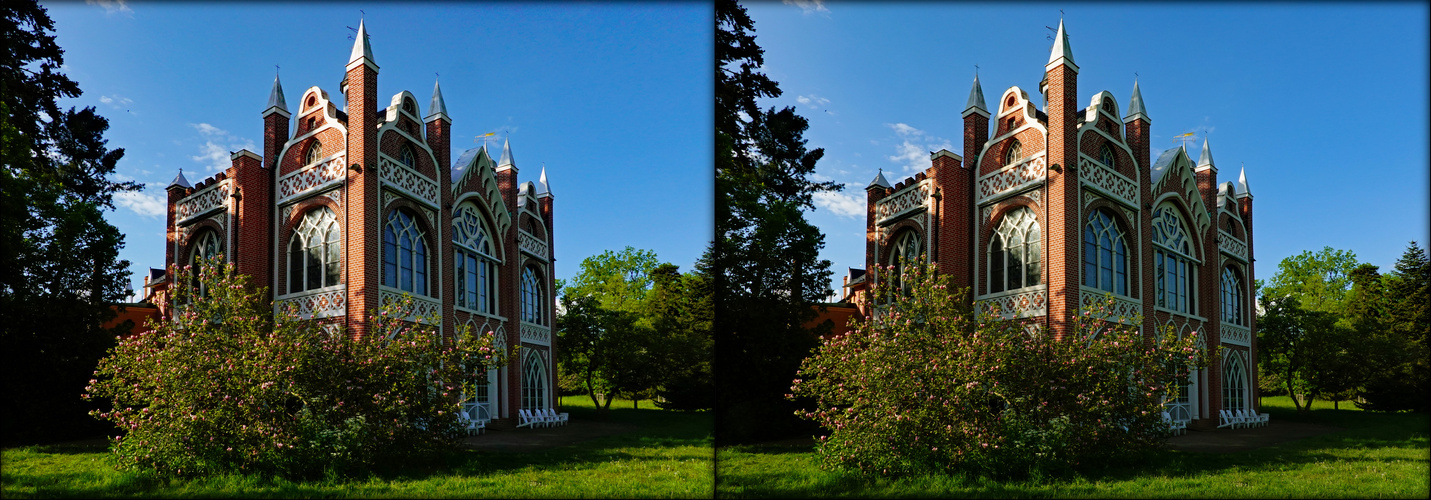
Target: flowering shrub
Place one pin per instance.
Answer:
(926, 385)
(228, 386)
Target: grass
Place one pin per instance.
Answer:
(669, 456)
(1370, 455)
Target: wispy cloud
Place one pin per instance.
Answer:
(116, 101)
(218, 145)
(844, 205)
(112, 6)
(147, 205)
(808, 6)
(912, 153)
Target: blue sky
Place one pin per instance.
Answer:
(1324, 103)
(615, 99)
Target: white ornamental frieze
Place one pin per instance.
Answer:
(1108, 182)
(407, 181)
(536, 334)
(905, 201)
(1230, 245)
(1017, 305)
(1013, 178)
(421, 310)
(324, 303)
(1121, 307)
(531, 245)
(311, 178)
(206, 200)
(1237, 335)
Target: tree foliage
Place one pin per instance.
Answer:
(926, 385)
(765, 262)
(1390, 314)
(59, 266)
(227, 387)
(680, 307)
(1320, 280)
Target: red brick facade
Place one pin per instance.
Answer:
(365, 164)
(1067, 166)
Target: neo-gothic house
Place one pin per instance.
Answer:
(1050, 209)
(351, 208)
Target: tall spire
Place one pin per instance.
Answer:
(1061, 49)
(976, 99)
(1242, 189)
(1135, 105)
(438, 108)
(276, 102)
(1206, 158)
(543, 189)
(506, 155)
(362, 51)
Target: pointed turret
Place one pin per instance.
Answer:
(180, 181)
(543, 190)
(1135, 106)
(1242, 190)
(976, 100)
(1205, 160)
(276, 102)
(438, 108)
(506, 160)
(1062, 52)
(879, 181)
(362, 51)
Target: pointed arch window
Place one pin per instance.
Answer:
(407, 158)
(475, 260)
(314, 153)
(533, 303)
(1105, 156)
(1234, 383)
(534, 382)
(1015, 252)
(1232, 306)
(206, 246)
(313, 252)
(905, 254)
(1105, 254)
(404, 253)
(1172, 261)
(1014, 153)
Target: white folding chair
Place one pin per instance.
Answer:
(1227, 419)
(525, 419)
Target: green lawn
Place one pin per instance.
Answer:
(1372, 455)
(670, 456)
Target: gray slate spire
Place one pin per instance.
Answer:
(1206, 158)
(542, 189)
(438, 108)
(1061, 48)
(506, 155)
(180, 181)
(976, 99)
(1242, 189)
(1135, 106)
(276, 102)
(361, 50)
(879, 181)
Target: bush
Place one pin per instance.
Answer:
(927, 386)
(230, 387)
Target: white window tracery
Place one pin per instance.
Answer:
(404, 253)
(533, 310)
(1105, 156)
(534, 383)
(1015, 252)
(905, 254)
(206, 246)
(1172, 261)
(1232, 306)
(1014, 153)
(407, 158)
(313, 252)
(314, 153)
(1105, 254)
(1234, 383)
(475, 261)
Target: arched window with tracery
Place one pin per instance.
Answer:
(905, 254)
(1232, 307)
(206, 246)
(1105, 254)
(1015, 252)
(476, 261)
(315, 153)
(404, 253)
(534, 382)
(1173, 262)
(313, 252)
(1105, 156)
(407, 158)
(1234, 382)
(1014, 153)
(533, 303)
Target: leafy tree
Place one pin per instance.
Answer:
(618, 280)
(1313, 350)
(1319, 280)
(59, 267)
(926, 385)
(605, 352)
(765, 261)
(1293, 342)
(679, 308)
(228, 388)
(1395, 328)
